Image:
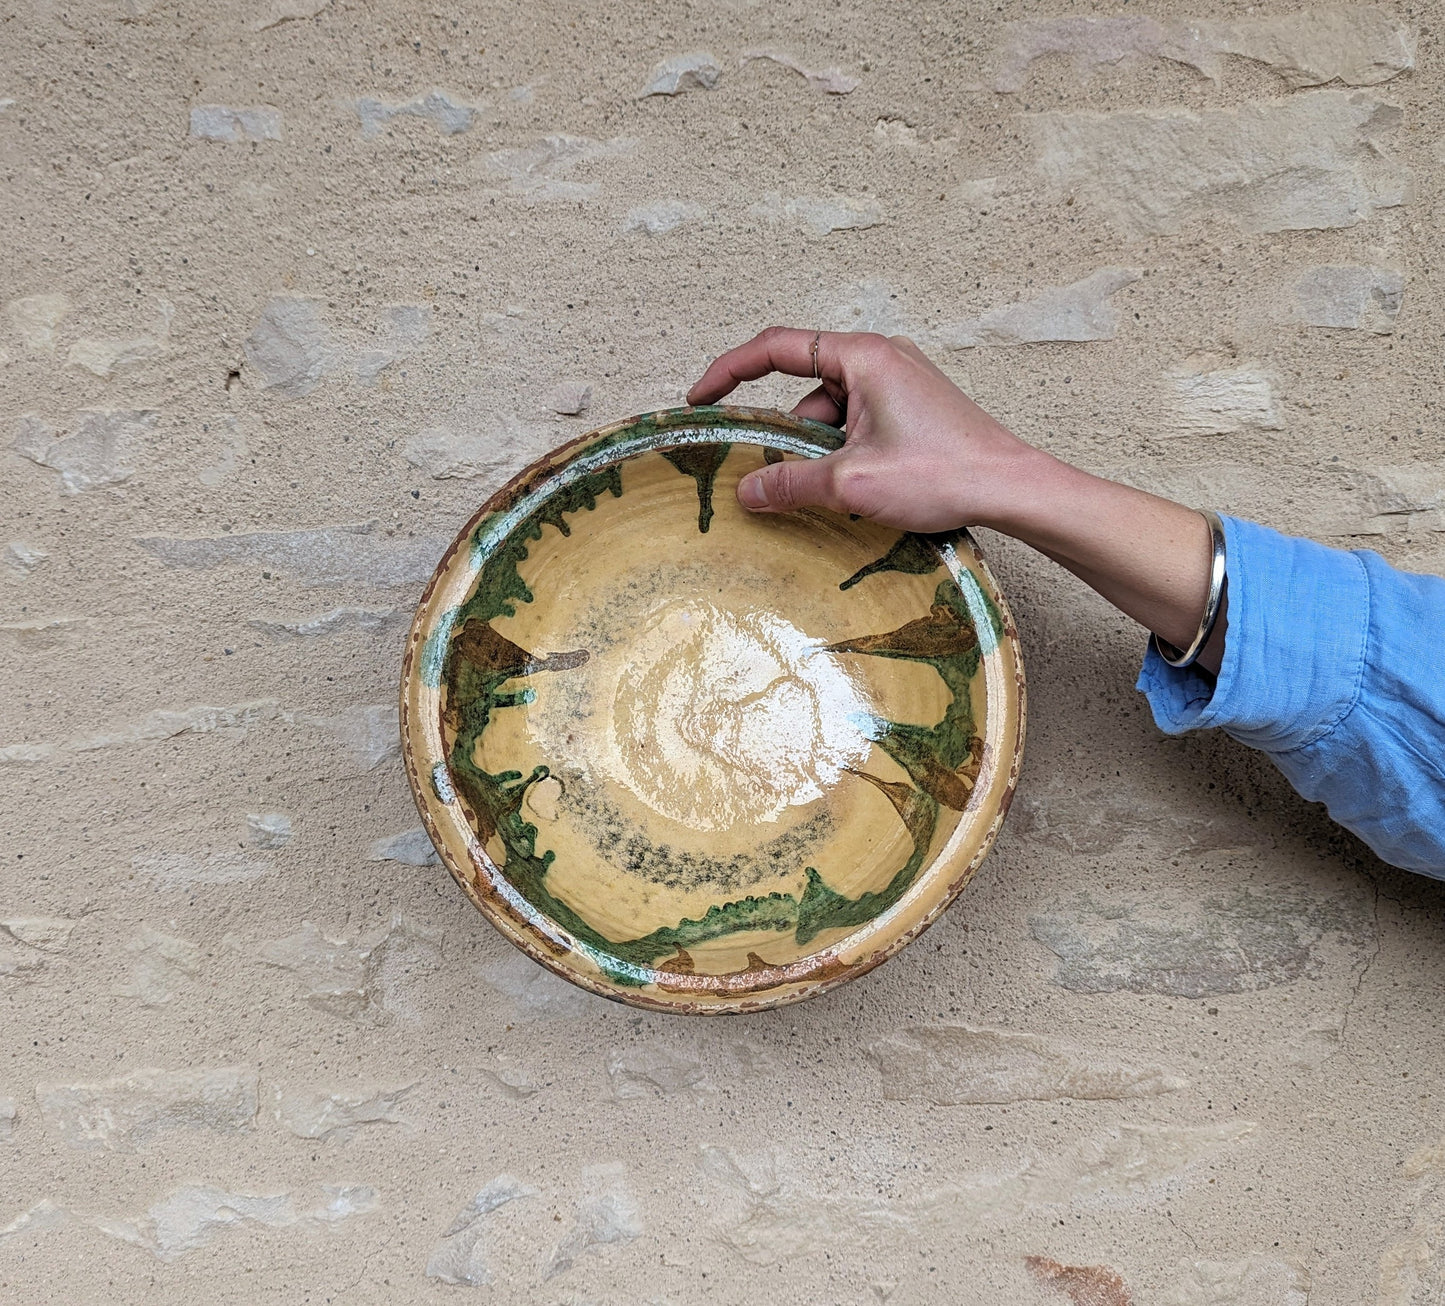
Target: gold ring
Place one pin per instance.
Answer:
(816, 336)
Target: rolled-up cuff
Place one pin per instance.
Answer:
(1294, 647)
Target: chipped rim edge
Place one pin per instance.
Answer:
(523, 933)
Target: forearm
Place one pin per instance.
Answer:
(1149, 557)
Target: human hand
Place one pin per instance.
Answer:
(920, 454)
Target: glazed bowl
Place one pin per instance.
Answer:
(696, 759)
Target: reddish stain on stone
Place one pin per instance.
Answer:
(1083, 1285)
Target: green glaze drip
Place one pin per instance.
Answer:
(500, 586)
(914, 555)
(823, 909)
(778, 911)
(701, 462)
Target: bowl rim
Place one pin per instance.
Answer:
(482, 880)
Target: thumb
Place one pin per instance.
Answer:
(781, 487)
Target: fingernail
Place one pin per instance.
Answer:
(751, 492)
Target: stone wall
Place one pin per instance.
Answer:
(287, 288)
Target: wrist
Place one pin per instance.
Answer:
(1030, 489)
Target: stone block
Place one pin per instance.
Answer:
(126, 1113)
(697, 70)
(411, 847)
(656, 1070)
(338, 1114)
(399, 333)
(42, 636)
(493, 450)
(105, 356)
(1238, 942)
(368, 734)
(92, 449)
(234, 126)
(1249, 1281)
(333, 622)
(35, 318)
(450, 116)
(542, 171)
(231, 721)
(161, 966)
(776, 1206)
(661, 216)
(570, 397)
(365, 979)
(769, 1210)
(952, 1065)
(875, 305)
(193, 1215)
(361, 553)
(292, 347)
(460, 1256)
(819, 215)
(535, 992)
(1316, 160)
(1350, 297)
(606, 1214)
(268, 829)
(275, 12)
(186, 870)
(226, 445)
(1116, 1163)
(1079, 311)
(1204, 397)
(1390, 499)
(513, 1081)
(295, 347)
(1094, 819)
(24, 557)
(45, 933)
(43, 1217)
(19, 962)
(1358, 45)
(832, 81)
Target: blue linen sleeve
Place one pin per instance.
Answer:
(1334, 666)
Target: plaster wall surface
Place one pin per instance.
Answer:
(287, 288)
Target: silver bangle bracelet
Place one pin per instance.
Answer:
(1173, 656)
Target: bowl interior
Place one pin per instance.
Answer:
(685, 753)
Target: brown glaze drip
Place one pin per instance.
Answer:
(941, 634)
(495, 654)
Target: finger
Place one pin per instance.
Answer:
(778, 349)
(820, 406)
(781, 487)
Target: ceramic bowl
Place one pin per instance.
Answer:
(695, 759)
